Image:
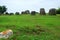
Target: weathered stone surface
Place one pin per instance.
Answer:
(33, 12)
(42, 11)
(52, 11)
(11, 14)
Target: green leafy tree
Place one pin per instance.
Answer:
(3, 9)
(0, 9)
(58, 11)
(22, 12)
(27, 12)
(11, 13)
(17, 13)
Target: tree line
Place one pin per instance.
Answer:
(52, 11)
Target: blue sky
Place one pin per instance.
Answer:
(32, 5)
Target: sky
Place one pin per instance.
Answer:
(32, 5)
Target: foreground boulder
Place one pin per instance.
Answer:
(6, 34)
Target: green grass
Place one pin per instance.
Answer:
(28, 27)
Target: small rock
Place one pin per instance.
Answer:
(6, 34)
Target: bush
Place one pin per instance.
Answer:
(27, 12)
(2, 9)
(42, 11)
(11, 13)
(17, 13)
(6, 13)
(22, 12)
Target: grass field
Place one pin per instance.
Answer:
(28, 27)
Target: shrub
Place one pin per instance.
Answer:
(11, 13)
(2, 9)
(22, 12)
(42, 11)
(17, 13)
(6, 13)
(27, 12)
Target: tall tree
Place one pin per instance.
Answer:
(3, 9)
(0, 9)
(58, 11)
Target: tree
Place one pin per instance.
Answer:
(0, 9)
(22, 12)
(11, 13)
(3, 9)
(27, 12)
(17, 13)
(58, 11)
